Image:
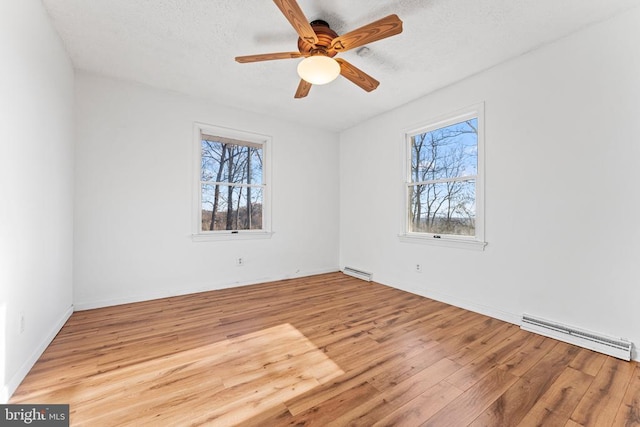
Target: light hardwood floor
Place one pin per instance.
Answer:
(326, 350)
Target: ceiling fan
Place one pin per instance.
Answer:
(318, 44)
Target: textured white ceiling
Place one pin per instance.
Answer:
(189, 46)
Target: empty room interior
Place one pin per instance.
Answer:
(321, 213)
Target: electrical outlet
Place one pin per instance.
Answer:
(239, 262)
(418, 268)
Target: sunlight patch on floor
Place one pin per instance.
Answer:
(224, 383)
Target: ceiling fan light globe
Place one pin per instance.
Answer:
(318, 70)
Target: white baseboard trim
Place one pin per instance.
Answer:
(463, 303)
(148, 296)
(11, 386)
(476, 308)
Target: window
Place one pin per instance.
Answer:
(232, 195)
(443, 185)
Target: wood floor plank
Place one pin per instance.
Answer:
(327, 411)
(629, 412)
(383, 361)
(467, 407)
(588, 361)
(533, 349)
(412, 366)
(555, 406)
(370, 412)
(485, 343)
(278, 415)
(326, 350)
(426, 325)
(420, 409)
(604, 397)
(517, 401)
(482, 365)
(471, 333)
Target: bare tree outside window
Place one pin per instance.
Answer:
(231, 184)
(442, 182)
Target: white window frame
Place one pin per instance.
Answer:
(476, 242)
(198, 235)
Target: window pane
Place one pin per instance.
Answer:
(212, 155)
(447, 152)
(223, 161)
(443, 208)
(255, 158)
(231, 208)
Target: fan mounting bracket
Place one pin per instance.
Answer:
(320, 23)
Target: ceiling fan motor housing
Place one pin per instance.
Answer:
(325, 37)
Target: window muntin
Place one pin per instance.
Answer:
(232, 196)
(444, 179)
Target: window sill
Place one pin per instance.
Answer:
(242, 235)
(445, 242)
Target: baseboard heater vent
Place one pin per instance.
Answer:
(612, 346)
(357, 273)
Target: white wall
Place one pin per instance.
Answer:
(134, 198)
(36, 187)
(562, 160)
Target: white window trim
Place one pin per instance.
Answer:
(476, 242)
(265, 141)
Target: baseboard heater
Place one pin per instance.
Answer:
(593, 341)
(357, 273)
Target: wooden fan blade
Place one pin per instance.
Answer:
(268, 57)
(303, 89)
(357, 76)
(295, 16)
(378, 30)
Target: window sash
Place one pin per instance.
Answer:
(453, 211)
(232, 184)
(231, 141)
(437, 181)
